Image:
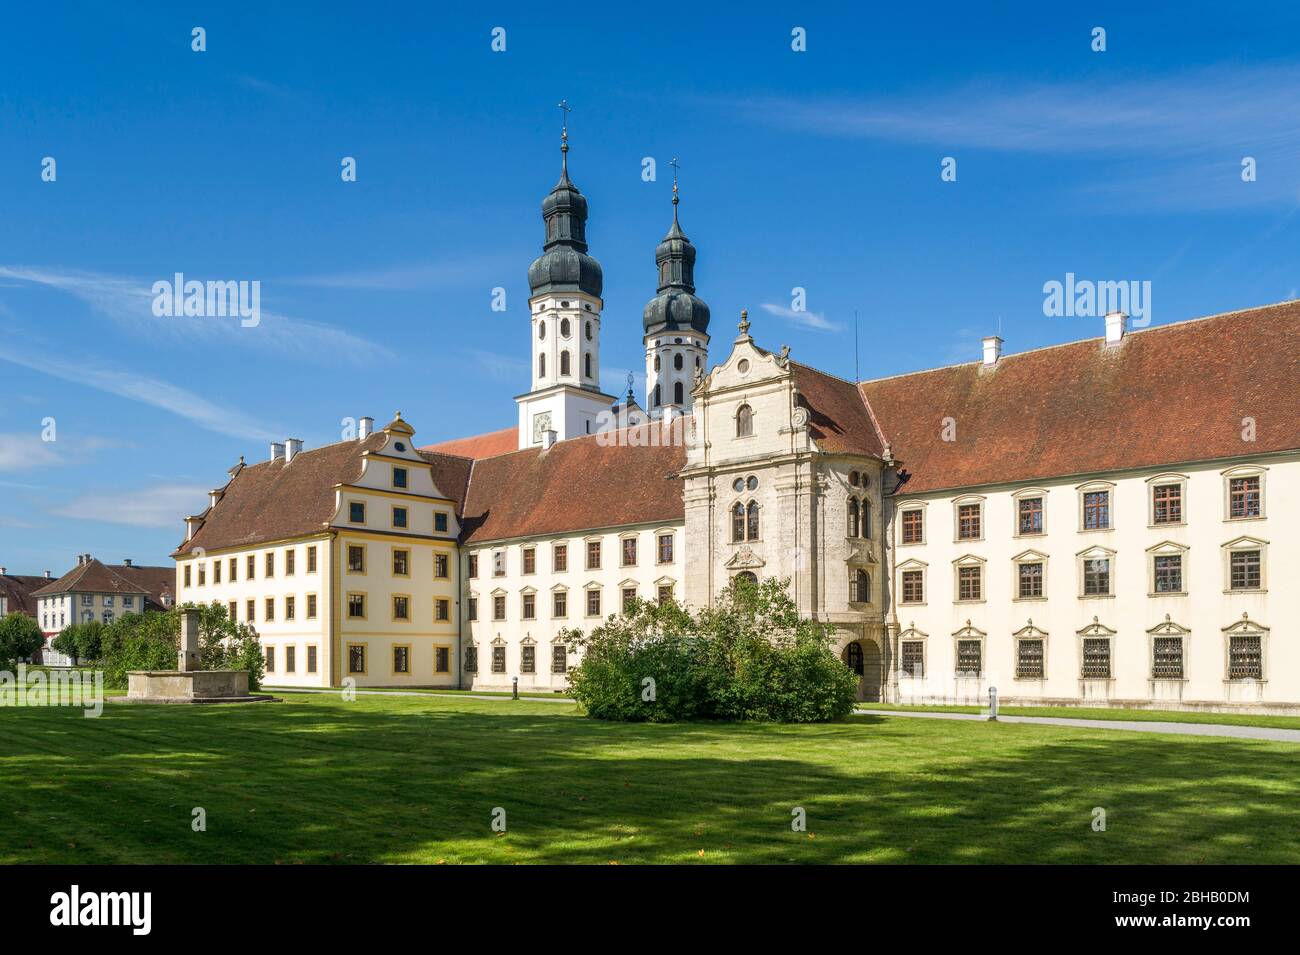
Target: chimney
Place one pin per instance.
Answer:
(1116, 326)
(126, 562)
(213, 497)
(366, 428)
(548, 437)
(992, 350)
(4, 571)
(291, 448)
(277, 450)
(81, 559)
(48, 575)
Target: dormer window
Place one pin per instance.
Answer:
(399, 477)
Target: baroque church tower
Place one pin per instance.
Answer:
(676, 325)
(565, 400)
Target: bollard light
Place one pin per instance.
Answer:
(993, 702)
(514, 692)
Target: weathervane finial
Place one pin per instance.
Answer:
(675, 164)
(565, 109)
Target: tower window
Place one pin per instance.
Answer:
(564, 326)
(541, 330)
(588, 329)
(541, 366)
(565, 363)
(657, 401)
(677, 361)
(677, 393)
(656, 362)
(586, 364)
(744, 421)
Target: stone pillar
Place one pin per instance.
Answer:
(188, 656)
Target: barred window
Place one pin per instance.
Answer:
(442, 608)
(1029, 659)
(441, 566)
(1167, 504)
(1245, 658)
(559, 658)
(1243, 497)
(471, 659)
(1029, 579)
(968, 583)
(356, 605)
(1169, 574)
(913, 526)
(1096, 658)
(441, 659)
(356, 659)
(968, 522)
(1030, 515)
(1096, 510)
(527, 659)
(665, 593)
(1244, 567)
(401, 563)
(1167, 658)
(401, 660)
(913, 587)
(498, 659)
(401, 608)
(913, 654)
(356, 559)
(1096, 576)
(969, 657)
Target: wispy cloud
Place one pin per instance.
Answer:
(402, 278)
(161, 505)
(142, 388)
(129, 302)
(804, 319)
(23, 452)
(1192, 129)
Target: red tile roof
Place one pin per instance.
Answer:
(18, 588)
(479, 445)
(158, 582)
(838, 418)
(1163, 396)
(594, 481)
(92, 576)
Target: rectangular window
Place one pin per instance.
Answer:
(311, 606)
(1243, 497)
(1167, 658)
(216, 571)
(560, 557)
(1096, 510)
(311, 559)
(441, 566)
(1029, 578)
(1245, 658)
(233, 609)
(356, 658)
(471, 609)
(1096, 577)
(498, 606)
(252, 566)
(401, 660)
(442, 609)
(203, 574)
(1096, 658)
(629, 551)
(665, 593)
(270, 609)
(1029, 515)
(88, 600)
(913, 654)
(527, 659)
(529, 606)
(629, 598)
(441, 660)
(290, 659)
(311, 658)
(357, 512)
(913, 526)
(1244, 570)
(1167, 504)
(357, 606)
(401, 563)
(499, 563)
(1029, 659)
(234, 569)
(270, 563)
(498, 659)
(401, 607)
(471, 570)
(440, 521)
(968, 583)
(399, 477)
(559, 658)
(290, 607)
(356, 559)
(593, 603)
(1168, 573)
(593, 555)
(913, 587)
(665, 548)
(560, 604)
(250, 610)
(186, 575)
(399, 516)
(530, 560)
(471, 659)
(270, 659)
(969, 654)
(968, 522)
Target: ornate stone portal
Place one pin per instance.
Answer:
(187, 683)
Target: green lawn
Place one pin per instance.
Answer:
(1107, 713)
(415, 779)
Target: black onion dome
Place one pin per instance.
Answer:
(565, 266)
(676, 307)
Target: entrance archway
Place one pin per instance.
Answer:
(863, 658)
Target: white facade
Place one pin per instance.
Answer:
(673, 359)
(565, 396)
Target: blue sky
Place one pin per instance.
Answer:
(818, 169)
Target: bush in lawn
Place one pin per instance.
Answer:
(150, 641)
(750, 657)
(20, 637)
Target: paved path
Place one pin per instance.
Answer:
(1137, 726)
(445, 696)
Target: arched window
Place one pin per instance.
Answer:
(738, 523)
(586, 364)
(862, 587)
(866, 519)
(853, 658)
(565, 363)
(657, 402)
(541, 330)
(677, 361)
(853, 517)
(752, 528)
(853, 478)
(656, 362)
(564, 327)
(541, 366)
(588, 331)
(697, 361)
(744, 421)
(748, 575)
(677, 393)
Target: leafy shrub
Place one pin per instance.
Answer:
(151, 641)
(81, 641)
(751, 657)
(20, 637)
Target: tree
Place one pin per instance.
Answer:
(81, 641)
(150, 641)
(20, 638)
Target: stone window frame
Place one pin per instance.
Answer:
(912, 635)
(1245, 627)
(1167, 549)
(347, 558)
(392, 608)
(1166, 479)
(527, 649)
(392, 556)
(1093, 487)
(970, 632)
(744, 405)
(392, 660)
(635, 538)
(967, 500)
(1242, 471)
(1022, 494)
(555, 591)
(499, 596)
(660, 584)
(1030, 632)
(623, 587)
(671, 536)
(855, 597)
(1095, 552)
(524, 594)
(967, 561)
(558, 645)
(590, 588)
(923, 568)
(1166, 629)
(1237, 545)
(1030, 556)
(903, 508)
(1098, 631)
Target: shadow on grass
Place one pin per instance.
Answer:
(378, 780)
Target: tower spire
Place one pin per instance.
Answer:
(565, 109)
(675, 164)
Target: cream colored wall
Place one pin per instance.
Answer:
(646, 576)
(1205, 610)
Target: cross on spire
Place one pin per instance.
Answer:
(565, 109)
(676, 165)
